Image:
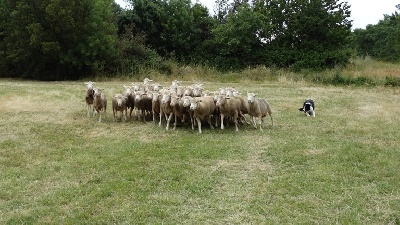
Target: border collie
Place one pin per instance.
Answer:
(308, 108)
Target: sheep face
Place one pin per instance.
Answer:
(120, 100)
(128, 90)
(174, 100)
(220, 100)
(156, 97)
(194, 103)
(138, 96)
(166, 97)
(89, 85)
(97, 92)
(186, 101)
(147, 81)
(156, 87)
(251, 97)
(135, 87)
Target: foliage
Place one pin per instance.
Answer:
(56, 40)
(380, 41)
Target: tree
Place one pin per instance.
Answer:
(237, 39)
(380, 41)
(310, 34)
(57, 39)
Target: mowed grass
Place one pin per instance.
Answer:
(59, 167)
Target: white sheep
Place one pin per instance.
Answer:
(203, 109)
(155, 105)
(143, 104)
(119, 105)
(99, 103)
(178, 109)
(229, 107)
(166, 108)
(130, 99)
(258, 107)
(89, 97)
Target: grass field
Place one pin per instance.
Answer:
(59, 167)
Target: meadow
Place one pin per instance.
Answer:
(59, 167)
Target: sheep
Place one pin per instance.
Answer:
(197, 90)
(188, 91)
(147, 81)
(99, 103)
(156, 87)
(89, 97)
(179, 91)
(186, 103)
(136, 87)
(130, 99)
(174, 85)
(258, 107)
(178, 109)
(244, 108)
(166, 108)
(143, 104)
(203, 109)
(155, 105)
(229, 106)
(308, 108)
(119, 105)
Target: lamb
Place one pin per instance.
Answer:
(99, 102)
(229, 106)
(119, 105)
(308, 108)
(203, 109)
(89, 97)
(130, 99)
(258, 107)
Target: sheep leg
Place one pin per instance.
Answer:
(176, 119)
(126, 112)
(100, 117)
(169, 120)
(235, 119)
(144, 115)
(260, 122)
(199, 123)
(222, 121)
(253, 121)
(209, 122)
(161, 115)
(88, 108)
(130, 113)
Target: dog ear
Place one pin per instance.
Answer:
(301, 109)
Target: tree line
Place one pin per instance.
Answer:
(73, 39)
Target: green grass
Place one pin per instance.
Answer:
(59, 167)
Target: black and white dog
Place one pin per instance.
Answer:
(308, 108)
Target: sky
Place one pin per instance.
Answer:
(363, 12)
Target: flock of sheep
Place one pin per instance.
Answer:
(181, 103)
